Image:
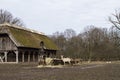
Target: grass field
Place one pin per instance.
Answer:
(92, 71)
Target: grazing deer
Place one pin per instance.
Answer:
(66, 60)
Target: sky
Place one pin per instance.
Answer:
(50, 16)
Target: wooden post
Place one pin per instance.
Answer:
(33, 56)
(5, 53)
(28, 56)
(1, 59)
(16, 52)
(38, 57)
(23, 57)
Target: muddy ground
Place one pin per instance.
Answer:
(92, 71)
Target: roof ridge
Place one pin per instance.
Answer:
(23, 28)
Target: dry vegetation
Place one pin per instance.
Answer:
(95, 71)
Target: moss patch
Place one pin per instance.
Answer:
(29, 39)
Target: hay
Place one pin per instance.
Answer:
(50, 66)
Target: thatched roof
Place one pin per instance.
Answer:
(24, 37)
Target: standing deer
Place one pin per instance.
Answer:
(66, 60)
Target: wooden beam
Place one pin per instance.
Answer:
(23, 57)
(5, 53)
(28, 56)
(33, 56)
(16, 52)
(1, 59)
(38, 57)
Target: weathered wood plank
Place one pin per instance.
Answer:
(6, 43)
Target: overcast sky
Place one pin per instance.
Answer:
(49, 16)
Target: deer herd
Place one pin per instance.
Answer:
(59, 61)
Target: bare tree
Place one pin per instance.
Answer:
(6, 17)
(115, 20)
(69, 33)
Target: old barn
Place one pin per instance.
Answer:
(19, 44)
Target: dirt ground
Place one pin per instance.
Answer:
(92, 71)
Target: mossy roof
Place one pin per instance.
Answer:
(30, 39)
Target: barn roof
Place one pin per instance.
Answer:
(24, 37)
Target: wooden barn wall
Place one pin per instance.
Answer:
(6, 43)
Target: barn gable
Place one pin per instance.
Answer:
(6, 43)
